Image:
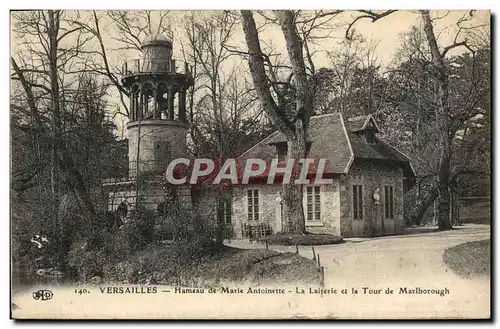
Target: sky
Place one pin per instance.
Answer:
(385, 33)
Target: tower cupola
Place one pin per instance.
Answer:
(155, 81)
(157, 86)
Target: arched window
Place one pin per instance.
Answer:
(162, 155)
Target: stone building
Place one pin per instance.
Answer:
(369, 176)
(157, 128)
(365, 199)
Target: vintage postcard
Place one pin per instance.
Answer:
(250, 164)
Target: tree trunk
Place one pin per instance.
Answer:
(458, 210)
(73, 178)
(443, 206)
(423, 204)
(219, 231)
(293, 209)
(53, 30)
(434, 213)
(294, 124)
(292, 195)
(442, 119)
(63, 159)
(454, 208)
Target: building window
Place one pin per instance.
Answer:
(253, 205)
(357, 201)
(162, 151)
(162, 155)
(224, 211)
(370, 136)
(389, 202)
(282, 152)
(313, 204)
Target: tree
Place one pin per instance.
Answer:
(44, 82)
(412, 123)
(440, 72)
(291, 119)
(352, 84)
(442, 120)
(60, 129)
(223, 117)
(437, 67)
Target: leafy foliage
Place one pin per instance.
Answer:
(92, 253)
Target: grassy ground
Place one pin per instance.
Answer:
(157, 265)
(470, 259)
(308, 239)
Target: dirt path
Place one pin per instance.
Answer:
(397, 262)
(413, 258)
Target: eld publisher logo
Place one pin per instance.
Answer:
(42, 294)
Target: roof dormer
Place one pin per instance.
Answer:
(364, 126)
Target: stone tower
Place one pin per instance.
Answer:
(157, 126)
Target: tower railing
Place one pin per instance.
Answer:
(163, 36)
(128, 171)
(155, 65)
(147, 168)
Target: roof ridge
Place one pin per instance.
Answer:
(259, 143)
(351, 159)
(366, 118)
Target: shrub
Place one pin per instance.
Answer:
(138, 232)
(123, 254)
(197, 247)
(181, 224)
(145, 223)
(163, 232)
(87, 263)
(90, 253)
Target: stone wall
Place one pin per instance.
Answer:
(370, 175)
(152, 132)
(330, 210)
(268, 205)
(345, 207)
(270, 208)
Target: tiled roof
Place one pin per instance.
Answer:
(376, 150)
(336, 140)
(328, 138)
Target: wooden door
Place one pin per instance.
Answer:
(358, 209)
(358, 227)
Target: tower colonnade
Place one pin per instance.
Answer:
(155, 100)
(156, 85)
